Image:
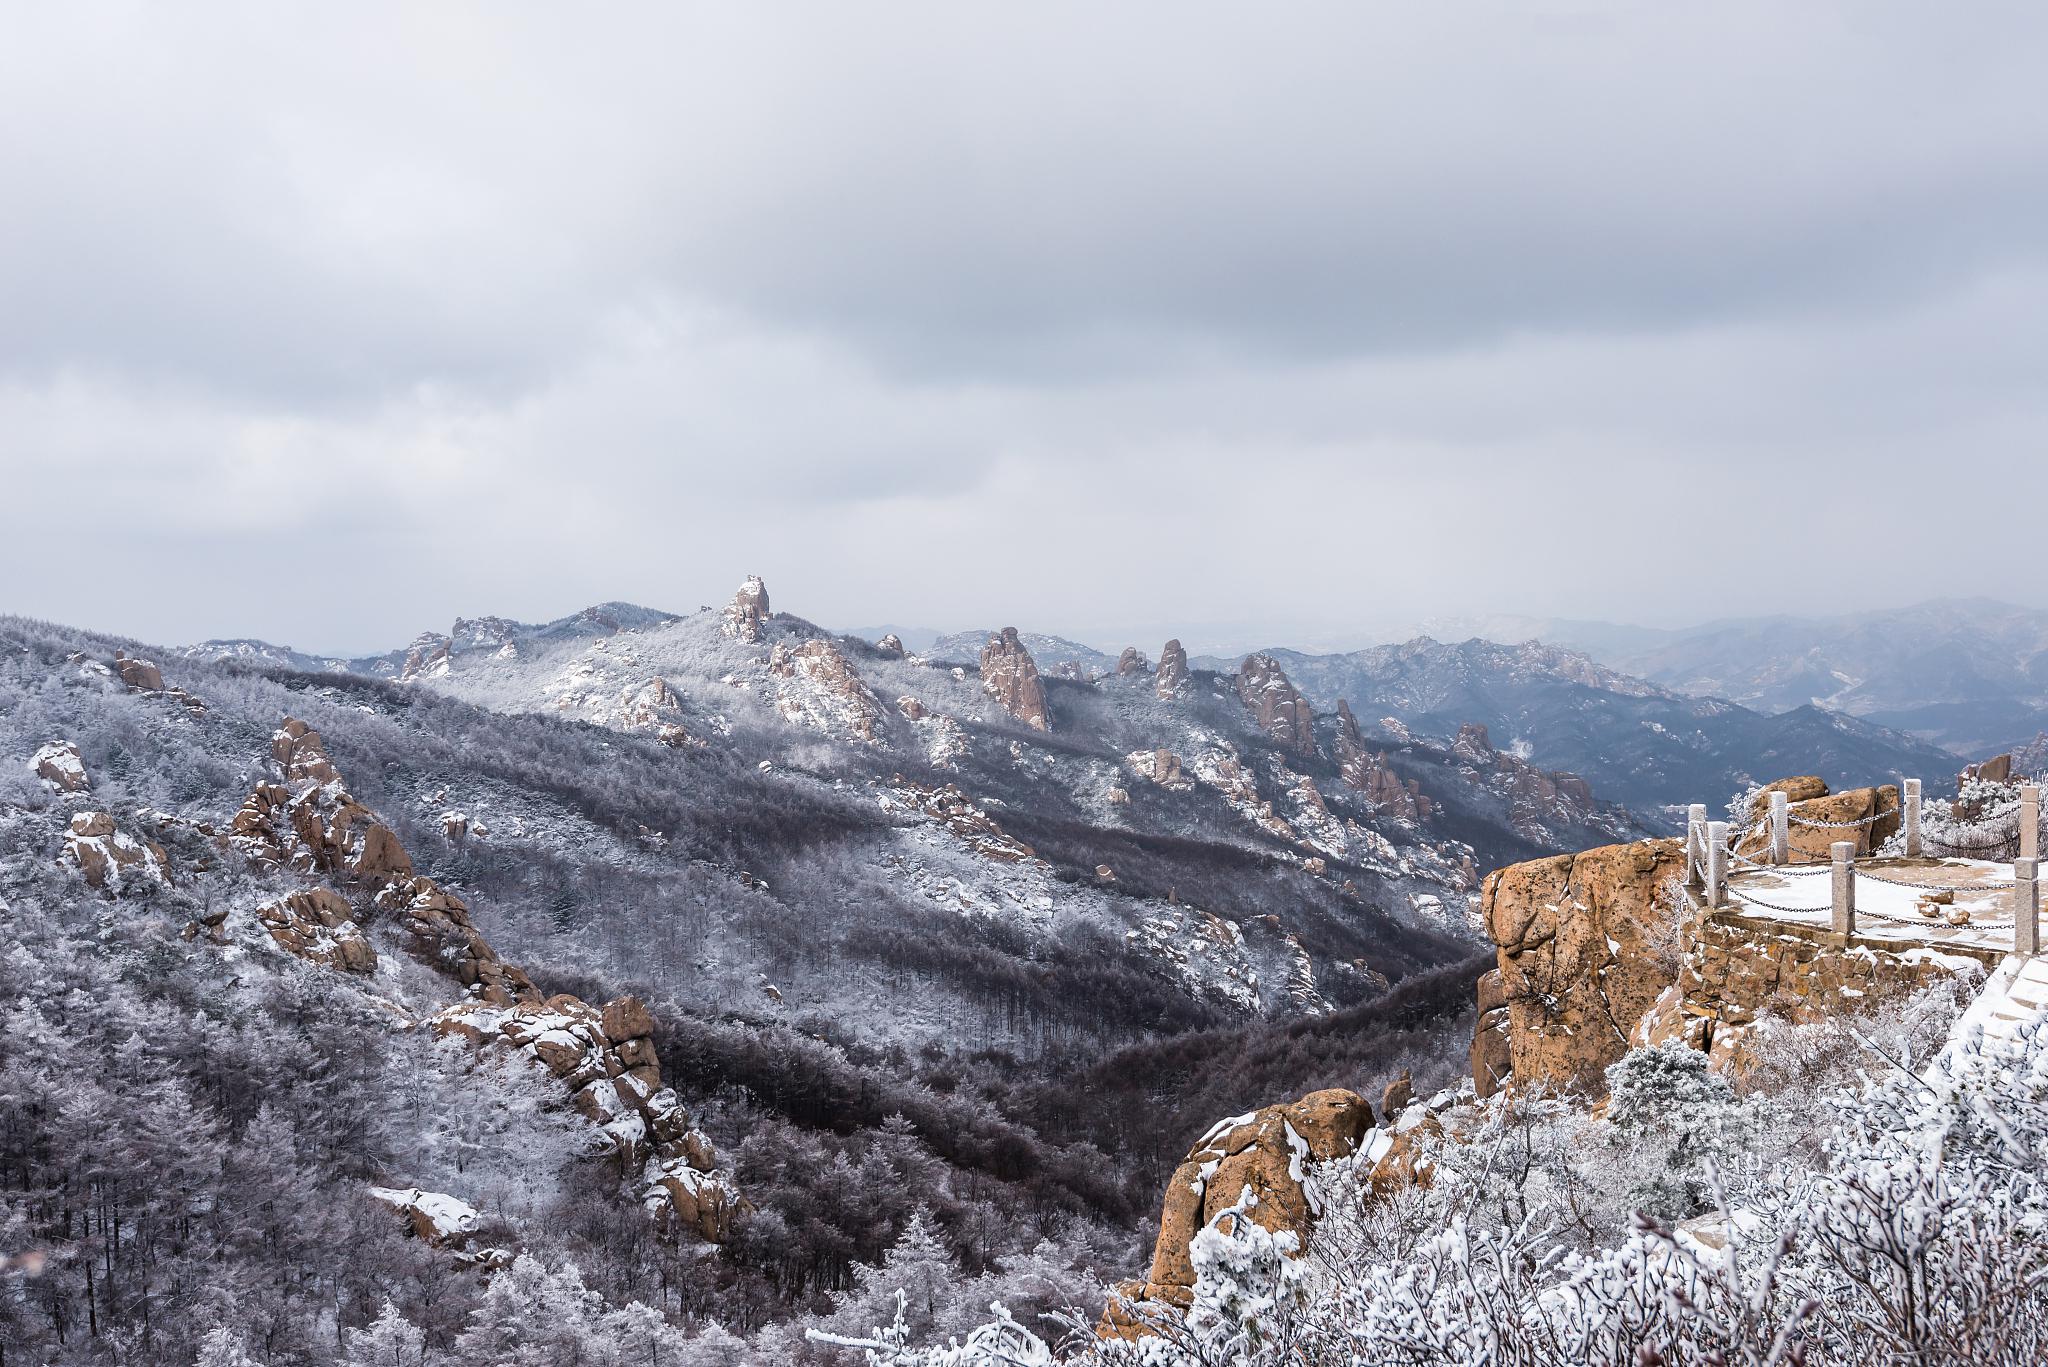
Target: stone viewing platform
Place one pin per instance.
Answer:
(1816, 905)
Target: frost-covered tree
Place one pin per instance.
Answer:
(390, 1340)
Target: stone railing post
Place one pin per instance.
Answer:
(2026, 906)
(1909, 799)
(1844, 852)
(1717, 863)
(1781, 827)
(2030, 821)
(1696, 845)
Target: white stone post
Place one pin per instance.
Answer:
(1910, 799)
(1781, 827)
(2026, 907)
(2030, 821)
(1696, 845)
(1717, 863)
(1844, 852)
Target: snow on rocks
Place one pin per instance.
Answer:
(60, 767)
(818, 688)
(745, 618)
(318, 925)
(110, 858)
(606, 1061)
(440, 1219)
(653, 708)
(1267, 1152)
(1010, 676)
(1172, 675)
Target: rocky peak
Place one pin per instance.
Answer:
(892, 644)
(300, 753)
(1283, 713)
(1367, 771)
(1473, 744)
(1173, 669)
(1010, 676)
(1132, 661)
(426, 657)
(747, 615)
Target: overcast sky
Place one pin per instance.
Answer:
(327, 324)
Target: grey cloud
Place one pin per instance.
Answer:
(1072, 316)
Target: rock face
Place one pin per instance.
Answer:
(1265, 1150)
(1541, 803)
(443, 936)
(1132, 661)
(60, 767)
(606, 1060)
(892, 644)
(1283, 713)
(1866, 816)
(110, 858)
(1581, 958)
(139, 674)
(1368, 772)
(957, 812)
(309, 823)
(319, 926)
(1010, 676)
(1173, 670)
(820, 690)
(653, 708)
(1738, 976)
(746, 617)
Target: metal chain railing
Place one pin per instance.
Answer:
(1858, 823)
(1745, 898)
(1811, 869)
(1990, 885)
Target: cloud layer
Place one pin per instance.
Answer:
(328, 326)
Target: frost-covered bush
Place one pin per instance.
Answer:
(1923, 1239)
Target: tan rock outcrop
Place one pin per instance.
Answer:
(605, 1059)
(1010, 676)
(443, 937)
(958, 813)
(746, 617)
(1368, 772)
(319, 926)
(1132, 661)
(1265, 1150)
(300, 753)
(140, 675)
(655, 709)
(1865, 816)
(820, 689)
(1492, 1057)
(1579, 957)
(110, 858)
(892, 644)
(60, 766)
(1283, 713)
(1172, 674)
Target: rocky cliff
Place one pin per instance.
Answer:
(1283, 713)
(1010, 676)
(746, 617)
